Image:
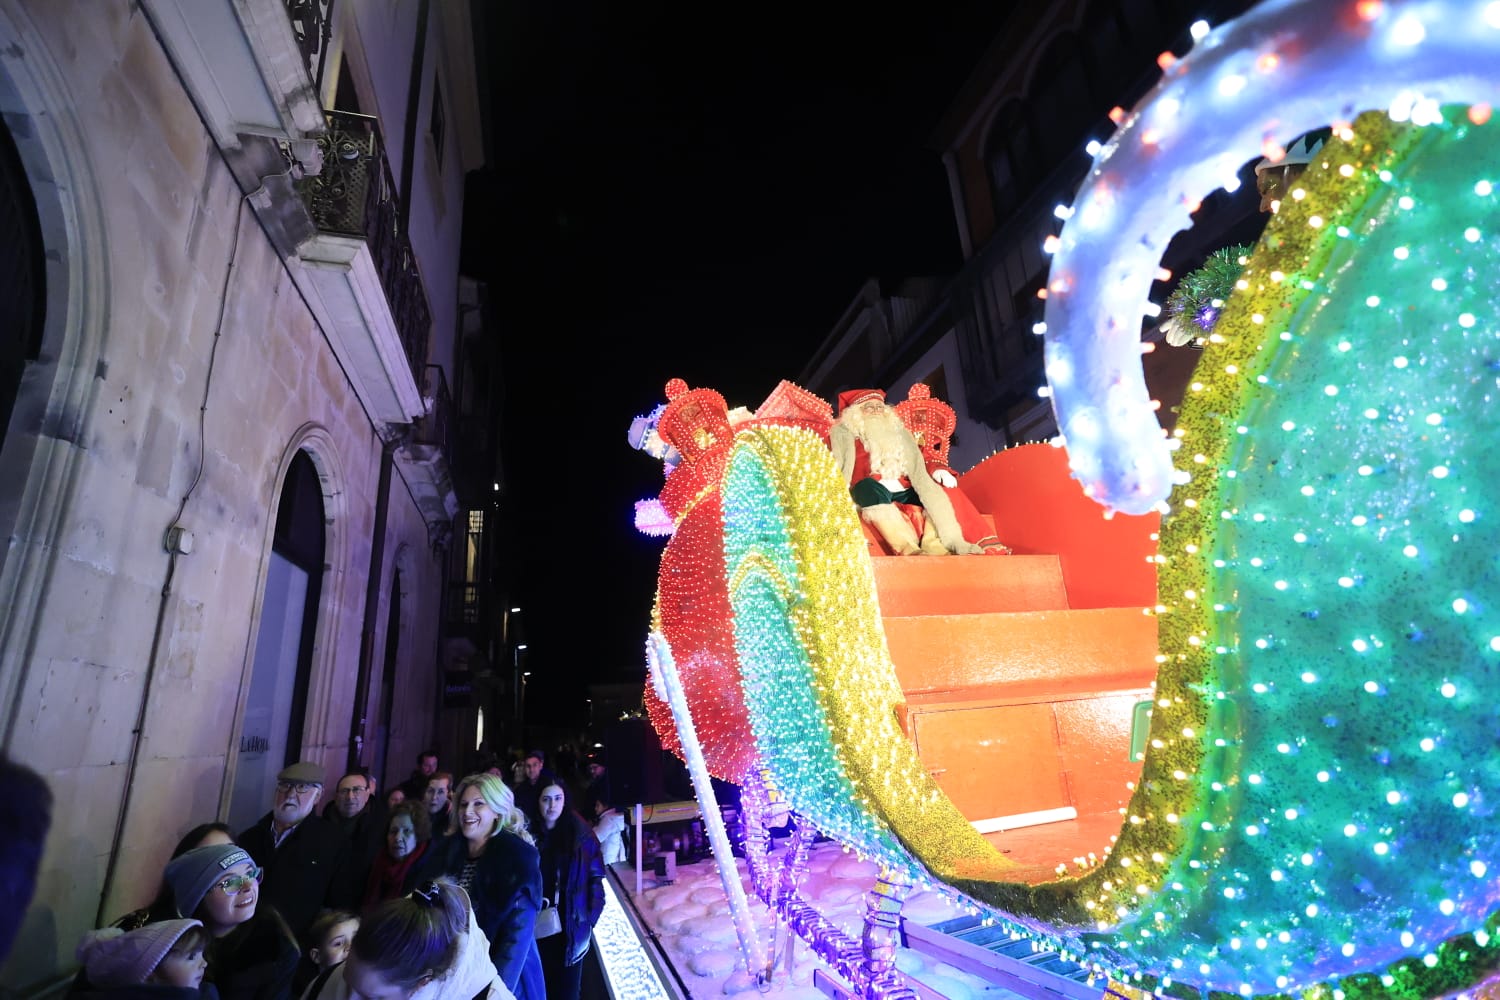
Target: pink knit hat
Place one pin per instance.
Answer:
(112, 957)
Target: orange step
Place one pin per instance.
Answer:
(1021, 674)
(1002, 760)
(910, 586)
(1022, 712)
(1058, 651)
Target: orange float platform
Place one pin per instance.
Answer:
(1022, 673)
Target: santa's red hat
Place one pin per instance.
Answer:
(853, 397)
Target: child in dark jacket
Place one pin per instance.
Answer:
(160, 961)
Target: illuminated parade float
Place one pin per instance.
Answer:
(1289, 605)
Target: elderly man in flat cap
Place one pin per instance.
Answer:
(304, 855)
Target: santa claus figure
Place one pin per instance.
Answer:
(888, 478)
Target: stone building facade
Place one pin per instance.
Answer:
(226, 479)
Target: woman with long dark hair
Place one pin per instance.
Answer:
(164, 907)
(573, 882)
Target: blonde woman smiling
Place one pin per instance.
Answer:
(489, 852)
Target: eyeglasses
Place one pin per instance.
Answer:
(233, 885)
(353, 790)
(300, 787)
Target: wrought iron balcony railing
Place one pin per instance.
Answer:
(312, 25)
(464, 604)
(356, 196)
(437, 427)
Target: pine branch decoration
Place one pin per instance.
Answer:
(1194, 305)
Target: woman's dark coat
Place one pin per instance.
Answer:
(579, 865)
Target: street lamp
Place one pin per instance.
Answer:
(519, 703)
(524, 674)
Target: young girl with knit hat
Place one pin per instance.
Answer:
(160, 961)
(251, 955)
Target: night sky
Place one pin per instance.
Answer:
(674, 192)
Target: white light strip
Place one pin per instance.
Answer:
(627, 968)
(1285, 67)
(664, 669)
(1002, 823)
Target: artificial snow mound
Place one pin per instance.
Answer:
(713, 963)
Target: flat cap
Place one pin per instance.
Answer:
(303, 771)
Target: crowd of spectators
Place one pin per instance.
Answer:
(327, 895)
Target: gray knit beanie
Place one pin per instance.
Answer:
(193, 873)
(113, 958)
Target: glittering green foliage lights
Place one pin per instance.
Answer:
(1329, 575)
(1193, 308)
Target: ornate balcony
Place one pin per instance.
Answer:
(426, 456)
(360, 272)
(464, 604)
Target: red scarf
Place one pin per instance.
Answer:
(387, 875)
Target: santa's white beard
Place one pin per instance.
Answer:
(884, 437)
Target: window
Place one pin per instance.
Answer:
(1115, 63)
(1062, 98)
(475, 547)
(467, 610)
(937, 381)
(344, 96)
(1006, 149)
(439, 125)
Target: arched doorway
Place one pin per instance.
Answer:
(22, 276)
(276, 705)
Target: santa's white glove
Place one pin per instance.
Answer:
(944, 478)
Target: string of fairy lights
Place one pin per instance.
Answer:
(1248, 88)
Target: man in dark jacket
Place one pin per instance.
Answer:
(361, 817)
(304, 856)
(427, 765)
(438, 800)
(536, 776)
(597, 797)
